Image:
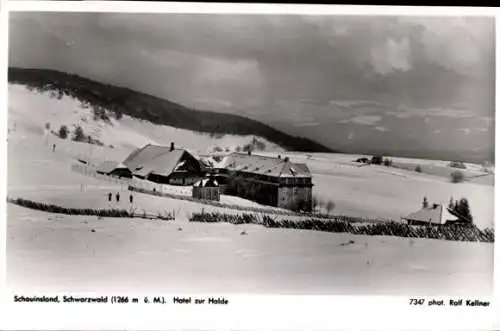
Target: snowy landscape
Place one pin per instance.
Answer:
(88, 253)
(250, 154)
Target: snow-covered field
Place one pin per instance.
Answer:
(379, 191)
(59, 252)
(48, 252)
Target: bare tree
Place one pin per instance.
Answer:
(321, 204)
(315, 203)
(330, 205)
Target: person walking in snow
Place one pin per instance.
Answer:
(118, 197)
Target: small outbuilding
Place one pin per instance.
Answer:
(432, 215)
(206, 189)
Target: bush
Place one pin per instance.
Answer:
(457, 164)
(362, 160)
(79, 135)
(257, 144)
(457, 177)
(321, 204)
(377, 159)
(461, 208)
(330, 206)
(63, 132)
(301, 205)
(425, 203)
(118, 115)
(388, 162)
(100, 114)
(247, 148)
(315, 203)
(418, 169)
(216, 135)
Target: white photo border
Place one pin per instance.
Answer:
(243, 312)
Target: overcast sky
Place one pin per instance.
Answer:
(381, 78)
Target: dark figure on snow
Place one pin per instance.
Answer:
(118, 197)
(110, 196)
(53, 147)
(131, 198)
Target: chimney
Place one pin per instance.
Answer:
(172, 146)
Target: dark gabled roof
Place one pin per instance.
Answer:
(107, 166)
(435, 214)
(430, 214)
(264, 165)
(152, 159)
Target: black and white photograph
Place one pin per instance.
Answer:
(250, 154)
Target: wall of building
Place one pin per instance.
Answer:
(182, 179)
(121, 173)
(248, 187)
(295, 197)
(288, 193)
(206, 193)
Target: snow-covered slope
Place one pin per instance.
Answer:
(30, 110)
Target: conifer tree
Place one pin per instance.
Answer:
(425, 203)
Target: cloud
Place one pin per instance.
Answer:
(365, 120)
(391, 55)
(465, 130)
(405, 112)
(305, 124)
(212, 103)
(296, 71)
(297, 56)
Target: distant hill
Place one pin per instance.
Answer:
(153, 109)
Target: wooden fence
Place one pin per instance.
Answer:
(453, 232)
(166, 216)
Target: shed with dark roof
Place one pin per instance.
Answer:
(113, 168)
(432, 215)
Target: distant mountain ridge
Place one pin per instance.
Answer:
(156, 110)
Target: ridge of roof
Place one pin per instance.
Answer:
(156, 159)
(266, 165)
